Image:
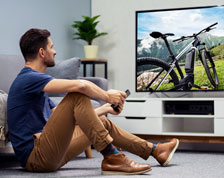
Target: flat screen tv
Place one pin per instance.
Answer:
(180, 49)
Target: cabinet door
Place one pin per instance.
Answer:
(146, 108)
(138, 125)
(218, 127)
(219, 108)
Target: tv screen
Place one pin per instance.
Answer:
(180, 49)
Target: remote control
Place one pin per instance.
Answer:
(116, 107)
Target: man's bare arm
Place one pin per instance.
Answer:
(85, 87)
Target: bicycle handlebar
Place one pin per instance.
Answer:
(207, 29)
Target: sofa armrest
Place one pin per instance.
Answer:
(100, 82)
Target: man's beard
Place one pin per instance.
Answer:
(50, 63)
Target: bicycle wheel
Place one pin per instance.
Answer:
(151, 72)
(209, 66)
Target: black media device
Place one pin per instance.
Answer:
(189, 107)
(116, 107)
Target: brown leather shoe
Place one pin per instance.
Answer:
(164, 152)
(119, 164)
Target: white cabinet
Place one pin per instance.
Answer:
(200, 117)
(142, 108)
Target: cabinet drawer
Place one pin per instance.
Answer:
(138, 125)
(142, 108)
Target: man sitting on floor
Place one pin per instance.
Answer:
(45, 137)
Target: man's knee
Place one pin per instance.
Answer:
(77, 96)
(78, 99)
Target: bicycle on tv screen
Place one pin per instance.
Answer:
(180, 49)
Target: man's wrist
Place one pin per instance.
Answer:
(107, 96)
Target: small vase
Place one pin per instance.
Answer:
(91, 51)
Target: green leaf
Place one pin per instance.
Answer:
(86, 29)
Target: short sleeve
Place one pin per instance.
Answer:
(35, 82)
(51, 103)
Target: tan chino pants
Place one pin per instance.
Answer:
(74, 126)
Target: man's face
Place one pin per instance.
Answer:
(49, 54)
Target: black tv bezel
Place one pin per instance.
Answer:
(136, 25)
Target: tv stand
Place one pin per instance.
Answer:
(189, 119)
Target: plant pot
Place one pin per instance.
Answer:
(91, 51)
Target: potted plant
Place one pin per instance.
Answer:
(86, 30)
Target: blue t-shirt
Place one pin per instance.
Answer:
(28, 110)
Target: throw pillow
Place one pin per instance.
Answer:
(66, 69)
(3, 118)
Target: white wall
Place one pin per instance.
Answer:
(118, 19)
(17, 16)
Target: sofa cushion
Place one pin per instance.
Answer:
(10, 66)
(66, 69)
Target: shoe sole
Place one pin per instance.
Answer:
(124, 173)
(171, 154)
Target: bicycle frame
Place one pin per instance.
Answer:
(192, 45)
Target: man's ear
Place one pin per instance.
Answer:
(41, 52)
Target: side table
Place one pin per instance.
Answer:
(92, 62)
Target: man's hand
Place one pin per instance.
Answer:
(116, 97)
(106, 108)
(112, 111)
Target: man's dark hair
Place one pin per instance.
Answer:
(32, 41)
